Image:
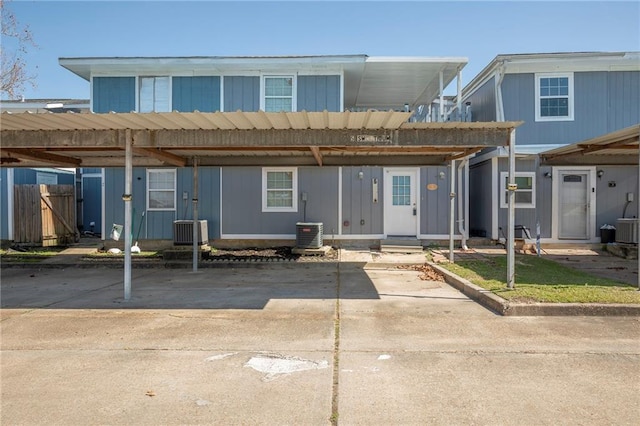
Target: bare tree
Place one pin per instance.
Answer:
(17, 39)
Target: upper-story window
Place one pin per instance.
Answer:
(278, 93)
(154, 94)
(554, 97)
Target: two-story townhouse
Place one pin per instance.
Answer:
(358, 198)
(562, 98)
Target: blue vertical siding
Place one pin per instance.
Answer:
(319, 93)
(241, 93)
(159, 224)
(357, 201)
(196, 93)
(434, 204)
(603, 102)
(480, 208)
(242, 202)
(611, 200)
(483, 102)
(116, 94)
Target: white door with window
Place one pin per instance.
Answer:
(401, 202)
(574, 204)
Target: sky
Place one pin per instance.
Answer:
(477, 30)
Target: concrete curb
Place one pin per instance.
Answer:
(503, 307)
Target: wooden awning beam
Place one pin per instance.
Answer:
(161, 155)
(316, 154)
(44, 156)
(466, 153)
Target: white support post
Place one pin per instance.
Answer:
(126, 197)
(459, 94)
(511, 208)
(195, 214)
(638, 209)
(452, 211)
(441, 107)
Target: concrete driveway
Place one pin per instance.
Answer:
(301, 345)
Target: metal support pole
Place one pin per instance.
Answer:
(638, 210)
(126, 197)
(452, 211)
(195, 214)
(511, 207)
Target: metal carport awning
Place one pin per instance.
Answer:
(612, 149)
(241, 138)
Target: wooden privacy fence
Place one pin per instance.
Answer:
(44, 215)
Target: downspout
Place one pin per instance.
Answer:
(452, 212)
(462, 213)
(499, 104)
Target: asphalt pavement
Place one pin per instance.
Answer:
(349, 343)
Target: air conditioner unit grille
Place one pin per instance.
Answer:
(183, 232)
(308, 235)
(627, 231)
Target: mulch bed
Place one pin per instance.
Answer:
(273, 254)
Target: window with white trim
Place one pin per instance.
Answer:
(154, 94)
(278, 93)
(279, 189)
(525, 197)
(161, 189)
(554, 97)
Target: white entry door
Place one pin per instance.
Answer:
(573, 204)
(400, 202)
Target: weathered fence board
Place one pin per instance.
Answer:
(44, 215)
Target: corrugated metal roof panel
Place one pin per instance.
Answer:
(372, 120)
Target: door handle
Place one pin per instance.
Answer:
(415, 210)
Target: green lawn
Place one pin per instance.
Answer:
(542, 280)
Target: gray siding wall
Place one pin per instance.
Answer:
(196, 93)
(603, 102)
(434, 204)
(483, 102)
(480, 182)
(319, 93)
(357, 201)
(159, 224)
(610, 201)
(241, 93)
(525, 217)
(116, 94)
(242, 205)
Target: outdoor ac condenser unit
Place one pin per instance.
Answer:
(183, 232)
(627, 231)
(308, 235)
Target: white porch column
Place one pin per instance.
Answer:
(452, 207)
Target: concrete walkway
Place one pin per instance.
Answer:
(310, 344)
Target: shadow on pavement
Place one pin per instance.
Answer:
(219, 288)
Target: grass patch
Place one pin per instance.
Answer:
(107, 255)
(31, 254)
(543, 280)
